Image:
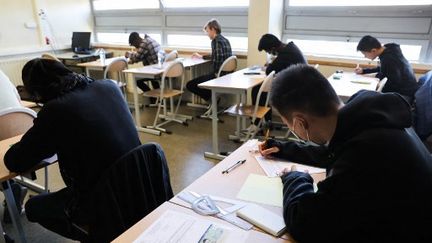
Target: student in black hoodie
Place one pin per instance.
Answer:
(87, 124)
(379, 174)
(394, 66)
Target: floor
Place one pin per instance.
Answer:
(184, 150)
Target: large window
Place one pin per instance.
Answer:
(358, 3)
(122, 38)
(204, 3)
(125, 4)
(202, 41)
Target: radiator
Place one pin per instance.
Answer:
(12, 68)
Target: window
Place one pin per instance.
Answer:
(347, 49)
(202, 41)
(122, 38)
(204, 3)
(125, 4)
(357, 3)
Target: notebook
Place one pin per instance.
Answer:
(263, 219)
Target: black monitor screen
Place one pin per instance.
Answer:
(81, 40)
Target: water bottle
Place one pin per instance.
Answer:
(102, 56)
(161, 58)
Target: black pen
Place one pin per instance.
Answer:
(232, 167)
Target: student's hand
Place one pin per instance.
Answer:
(358, 70)
(196, 55)
(266, 152)
(289, 169)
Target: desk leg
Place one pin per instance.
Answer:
(87, 72)
(13, 211)
(215, 154)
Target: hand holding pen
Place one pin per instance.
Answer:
(232, 167)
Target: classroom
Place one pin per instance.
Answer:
(216, 121)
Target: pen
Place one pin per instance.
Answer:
(266, 138)
(232, 167)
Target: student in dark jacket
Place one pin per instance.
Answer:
(87, 124)
(379, 174)
(394, 66)
(286, 55)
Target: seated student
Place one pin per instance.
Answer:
(87, 124)
(394, 66)
(221, 50)
(147, 53)
(9, 96)
(286, 55)
(379, 174)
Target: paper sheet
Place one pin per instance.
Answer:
(262, 189)
(272, 167)
(178, 227)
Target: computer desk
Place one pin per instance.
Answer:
(69, 60)
(234, 83)
(96, 65)
(151, 72)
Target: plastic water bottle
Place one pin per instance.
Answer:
(161, 58)
(102, 56)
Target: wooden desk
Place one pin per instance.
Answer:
(234, 83)
(350, 83)
(96, 65)
(28, 104)
(135, 231)
(151, 72)
(70, 61)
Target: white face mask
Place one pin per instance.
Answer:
(307, 142)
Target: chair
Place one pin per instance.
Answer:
(381, 85)
(49, 56)
(423, 104)
(166, 91)
(114, 71)
(171, 56)
(228, 66)
(254, 111)
(136, 184)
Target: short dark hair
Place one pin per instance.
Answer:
(46, 79)
(214, 24)
(134, 39)
(303, 88)
(267, 42)
(367, 43)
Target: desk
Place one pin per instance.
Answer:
(233, 83)
(135, 231)
(350, 83)
(28, 104)
(95, 65)
(150, 72)
(68, 60)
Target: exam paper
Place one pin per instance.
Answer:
(262, 189)
(272, 167)
(178, 227)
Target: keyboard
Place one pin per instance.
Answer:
(84, 52)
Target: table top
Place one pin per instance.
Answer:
(155, 69)
(236, 80)
(5, 174)
(97, 63)
(28, 104)
(70, 55)
(347, 83)
(135, 231)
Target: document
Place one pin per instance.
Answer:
(176, 227)
(262, 189)
(272, 167)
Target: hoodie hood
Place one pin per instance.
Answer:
(392, 49)
(368, 110)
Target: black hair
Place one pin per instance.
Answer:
(303, 88)
(134, 39)
(367, 43)
(213, 24)
(267, 42)
(47, 79)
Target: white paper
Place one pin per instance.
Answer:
(272, 167)
(176, 227)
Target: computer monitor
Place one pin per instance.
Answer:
(81, 41)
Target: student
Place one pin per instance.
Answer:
(379, 174)
(394, 66)
(9, 96)
(221, 50)
(87, 124)
(286, 54)
(147, 53)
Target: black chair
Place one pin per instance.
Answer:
(129, 190)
